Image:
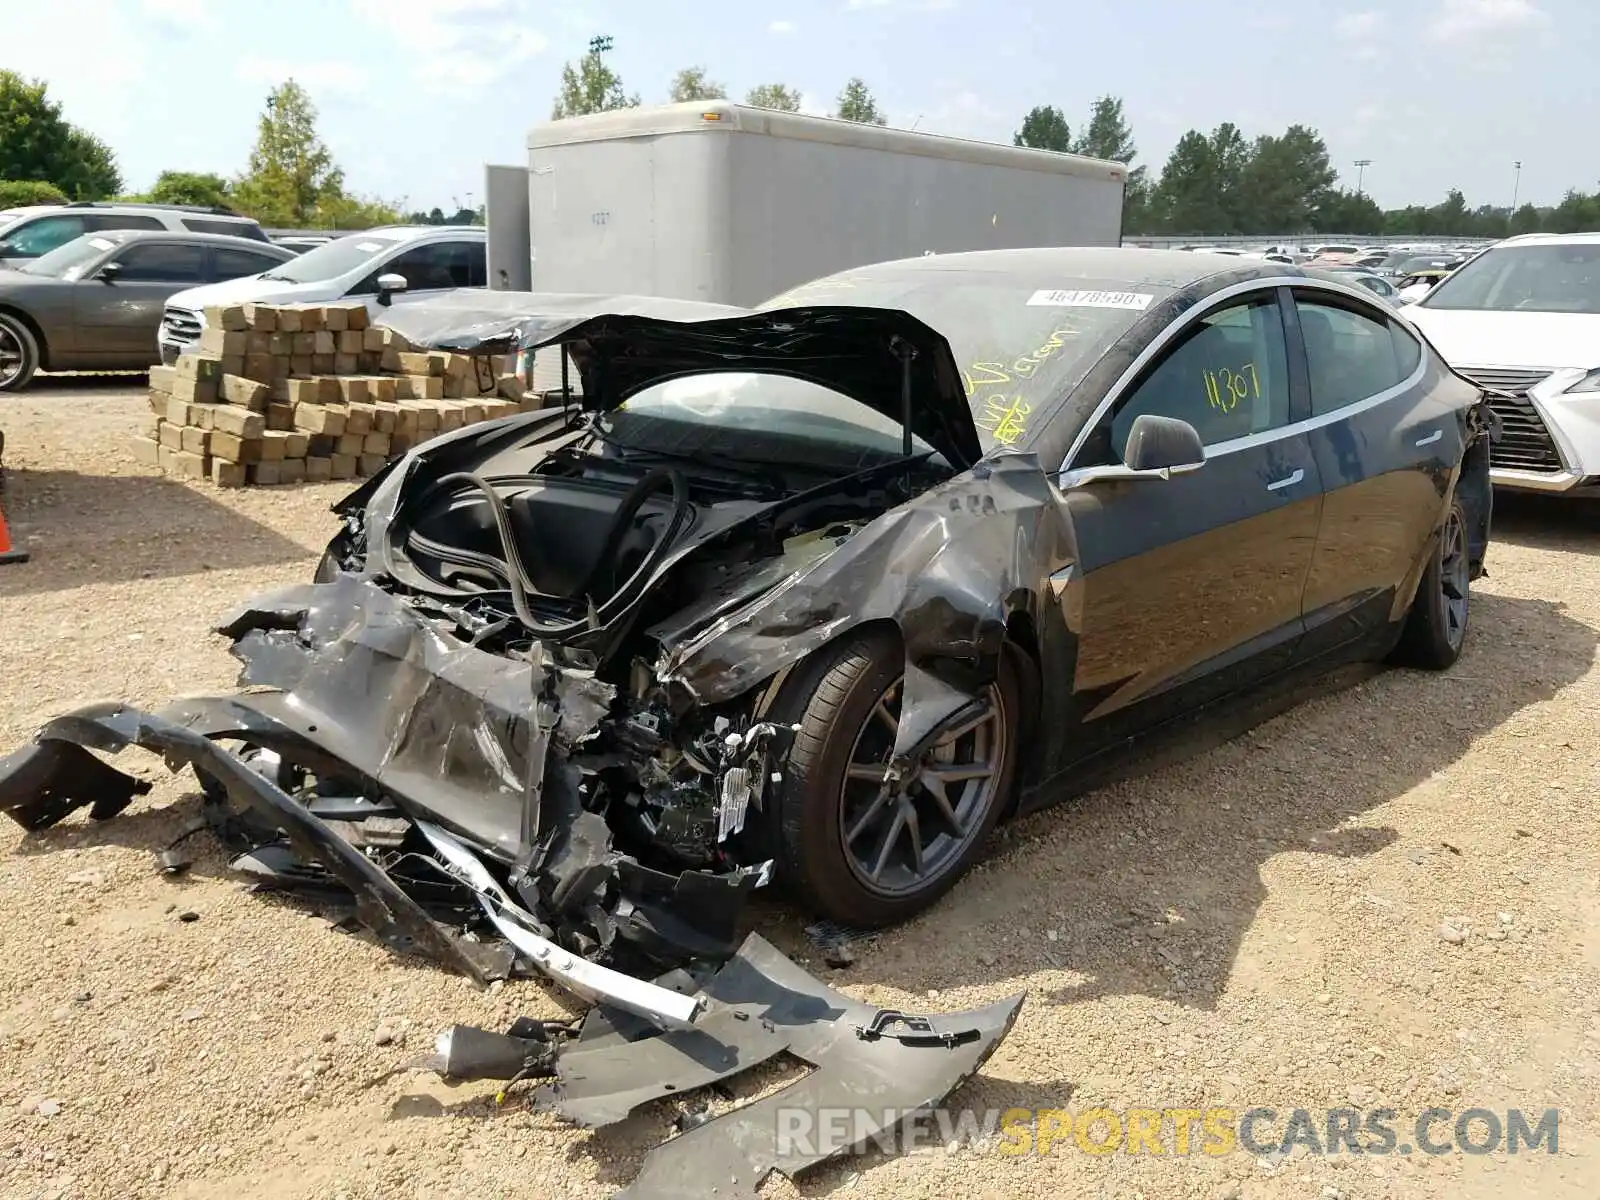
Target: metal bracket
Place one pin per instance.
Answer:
(919, 1031)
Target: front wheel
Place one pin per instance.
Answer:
(1436, 626)
(858, 852)
(19, 354)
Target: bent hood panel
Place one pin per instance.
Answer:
(629, 343)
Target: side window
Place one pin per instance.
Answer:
(95, 221)
(42, 236)
(440, 265)
(231, 264)
(1228, 376)
(1351, 355)
(229, 228)
(154, 262)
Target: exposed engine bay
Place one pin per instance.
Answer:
(522, 722)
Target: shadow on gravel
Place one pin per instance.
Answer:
(1150, 884)
(1546, 522)
(82, 528)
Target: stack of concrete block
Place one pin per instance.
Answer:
(279, 394)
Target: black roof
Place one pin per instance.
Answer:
(179, 235)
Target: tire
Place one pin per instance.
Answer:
(19, 354)
(835, 699)
(1436, 627)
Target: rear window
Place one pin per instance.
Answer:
(1019, 341)
(244, 229)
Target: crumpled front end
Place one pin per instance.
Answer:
(508, 814)
(461, 798)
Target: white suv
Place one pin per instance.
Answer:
(1523, 319)
(395, 263)
(36, 229)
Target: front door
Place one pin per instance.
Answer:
(117, 319)
(429, 270)
(1189, 588)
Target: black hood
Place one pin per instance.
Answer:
(624, 344)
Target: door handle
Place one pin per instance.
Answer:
(1431, 438)
(1287, 480)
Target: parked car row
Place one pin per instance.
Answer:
(119, 298)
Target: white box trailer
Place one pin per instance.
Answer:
(729, 204)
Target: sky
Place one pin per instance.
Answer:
(415, 96)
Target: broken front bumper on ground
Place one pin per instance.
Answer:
(374, 753)
(377, 758)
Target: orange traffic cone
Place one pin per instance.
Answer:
(8, 554)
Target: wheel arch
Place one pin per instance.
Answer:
(25, 318)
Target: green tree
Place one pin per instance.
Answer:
(1188, 199)
(1527, 219)
(1107, 135)
(337, 210)
(1578, 212)
(17, 193)
(1044, 128)
(37, 143)
(190, 187)
(592, 86)
(1230, 157)
(856, 104)
(1288, 179)
(1349, 212)
(291, 173)
(773, 95)
(691, 84)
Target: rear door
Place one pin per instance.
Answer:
(229, 262)
(117, 320)
(1385, 436)
(1189, 588)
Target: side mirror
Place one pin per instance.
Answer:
(1158, 448)
(109, 272)
(1163, 444)
(388, 285)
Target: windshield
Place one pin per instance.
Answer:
(771, 406)
(1020, 341)
(333, 259)
(69, 261)
(1530, 278)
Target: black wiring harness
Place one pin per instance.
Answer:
(515, 572)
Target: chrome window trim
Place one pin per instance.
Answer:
(1221, 299)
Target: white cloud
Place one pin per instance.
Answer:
(181, 16)
(909, 5)
(1464, 20)
(781, 27)
(324, 77)
(461, 47)
(1358, 25)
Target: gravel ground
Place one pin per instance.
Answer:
(1386, 897)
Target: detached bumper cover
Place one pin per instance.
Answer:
(453, 820)
(873, 1070)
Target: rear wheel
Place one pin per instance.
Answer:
(19, 354)
(854, 849)
(1436, 627)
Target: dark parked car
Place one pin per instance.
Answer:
(826, 588)
(96, 303)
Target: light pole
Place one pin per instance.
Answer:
(1516, 183)
(1361, 170)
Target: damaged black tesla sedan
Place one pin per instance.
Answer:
(820, 590)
